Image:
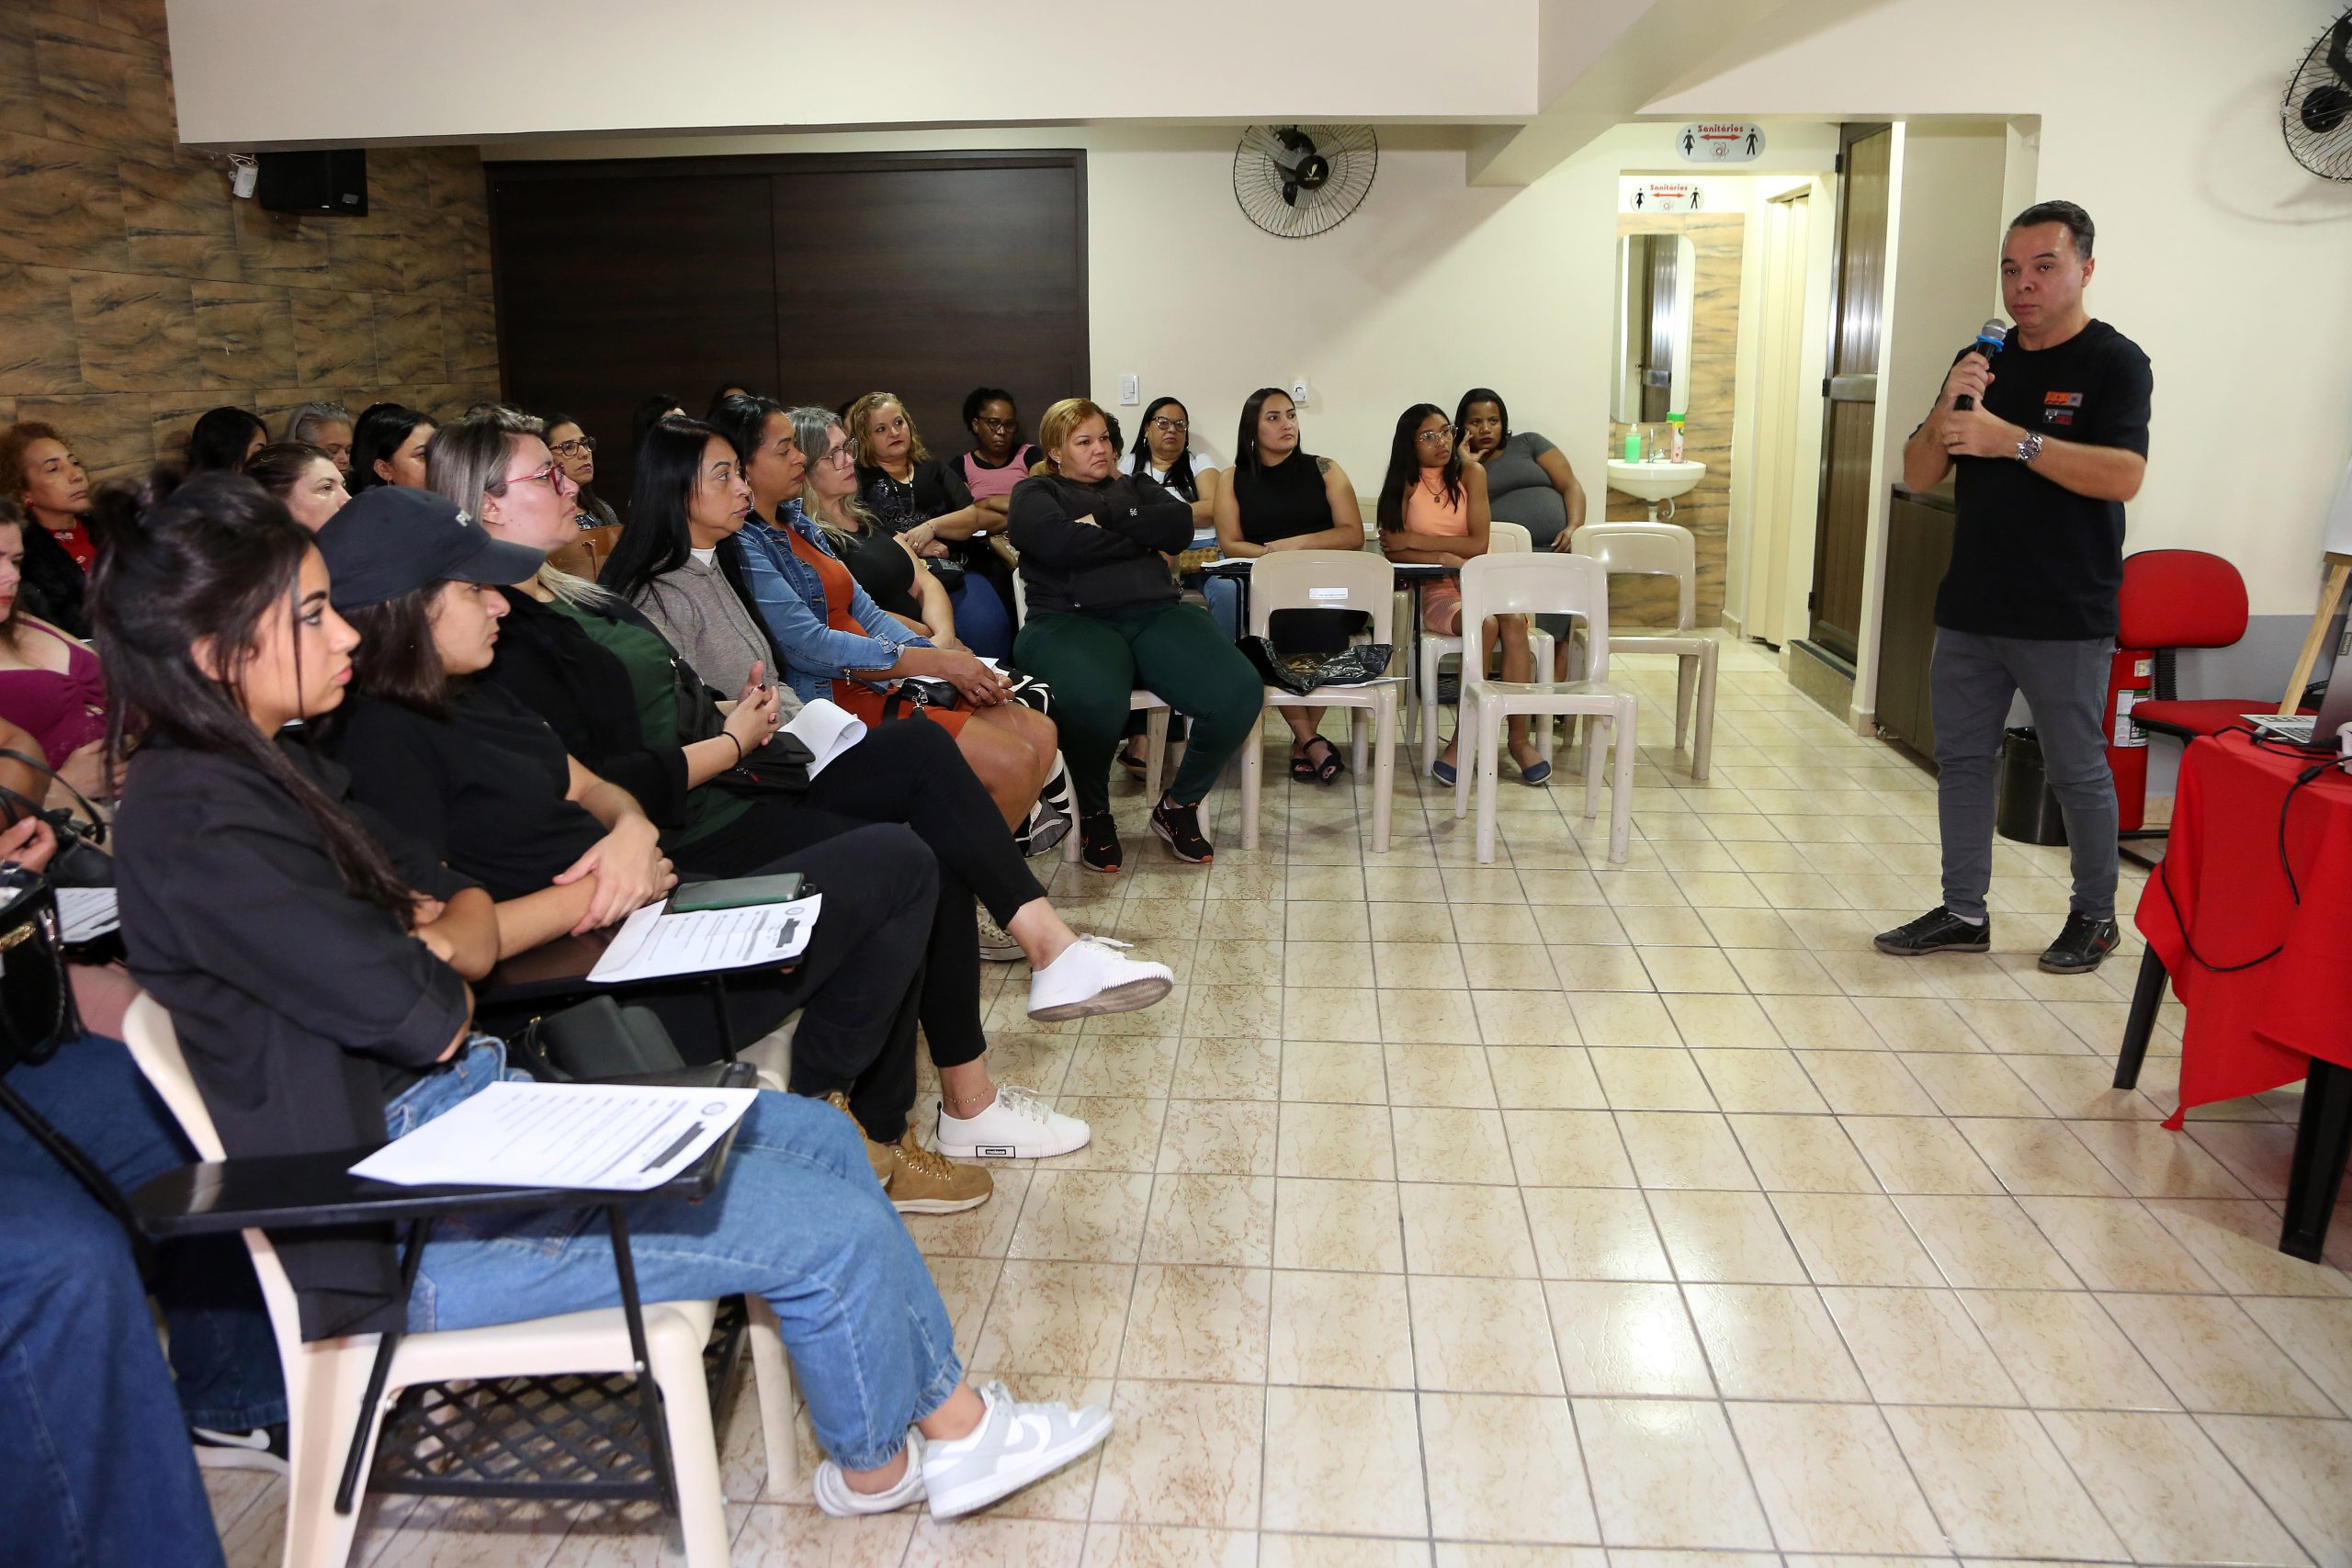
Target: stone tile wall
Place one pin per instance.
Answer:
(136, 292)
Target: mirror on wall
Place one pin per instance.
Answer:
(1656, 274)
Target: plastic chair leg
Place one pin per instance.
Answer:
(771, 1377)
(1686, 677)
(1428, 705)
(1069, 839)
(1359, 739)
(1384, 771)
(1253, 768)
(323, 1399)
(1489, 755)
(1703, 732)
(1621, 798)
(1592, 754)
(1154, 742)
(676, 1358)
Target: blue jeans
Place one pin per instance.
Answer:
(799, 1219)
(224, 1358)
(1224, 595)
(99, 1471)
(982, 624)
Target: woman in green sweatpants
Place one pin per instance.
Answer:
(1103, 618)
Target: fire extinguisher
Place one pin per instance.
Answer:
(2128, 680)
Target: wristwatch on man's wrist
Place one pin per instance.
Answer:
(2031, 447)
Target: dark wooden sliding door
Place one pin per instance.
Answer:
(810, 278)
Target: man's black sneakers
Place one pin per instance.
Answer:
(263, 1448)
(2082, 943)
(1181, 826)
(1937, 931)
(1098, 842)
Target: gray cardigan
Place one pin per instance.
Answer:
(697, 609)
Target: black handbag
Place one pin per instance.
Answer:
(37, 1010)
(594, 1040)
(79, 862)
(778, 766)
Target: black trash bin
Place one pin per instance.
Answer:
(2027, 810)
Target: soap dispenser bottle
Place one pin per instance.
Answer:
(1633, 444)
(1674, 438)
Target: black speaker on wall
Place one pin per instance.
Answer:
(330, 182)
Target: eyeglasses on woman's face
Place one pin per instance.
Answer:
(574, 447)
(546, 476)
(1001, 426)
(840, 455)
(1172, 426)
(1434, 434)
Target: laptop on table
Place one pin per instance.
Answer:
(2314, 732)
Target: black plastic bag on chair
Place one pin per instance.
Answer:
(1299, 674)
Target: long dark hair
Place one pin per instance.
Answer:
(651, 407)
(396, 660)
(1482, 395)
(656, 542)
(1245, 444)
(381, 430)
(219, 441)
(742, 421)
(1180, 472)
(1404, 467)
(211, 558)
(587, 503)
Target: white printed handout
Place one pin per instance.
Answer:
(654, 942)
(612, 1137)
(827, 729)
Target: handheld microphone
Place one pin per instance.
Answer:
(1989, 340)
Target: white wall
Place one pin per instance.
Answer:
(2218, 254)
(472, 70)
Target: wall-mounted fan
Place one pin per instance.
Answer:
(2316, 114)
(1297, 180)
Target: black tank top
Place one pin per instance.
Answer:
(1281, 502)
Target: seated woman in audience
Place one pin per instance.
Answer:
(1278, 497)
(50, 688)
(837, 642)
(999, 458)
(303, 478)
(1105, 618)
(1164, 455)
(576, 450)
(1528, 479)
(387, 447)
(223, 438)
(595, 671)
(40, 472)
(326, 426)
(889, 567)
(925, 501)
(1434, 508)
(317, 980)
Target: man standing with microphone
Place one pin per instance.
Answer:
(2049, 440)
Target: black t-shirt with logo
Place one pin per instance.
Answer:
(2031, 559)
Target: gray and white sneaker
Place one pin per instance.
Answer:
(1016, 1125)
(1013, 1445)
(997, 946)
(835, 1496)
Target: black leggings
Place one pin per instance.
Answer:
(905, 771)
(859, 982)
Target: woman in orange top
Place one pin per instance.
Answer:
(1434, 508)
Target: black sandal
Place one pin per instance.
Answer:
(1302, 768)
(1328, 768)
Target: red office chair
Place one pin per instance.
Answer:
(2172, 600)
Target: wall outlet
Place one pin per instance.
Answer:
(1130, 390)
(1299, 391)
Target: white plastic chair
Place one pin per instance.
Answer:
(1327, 579)
(1502, 539)
(1663, 549)
(1544, 584)
(1155, 712)
(326, 1379)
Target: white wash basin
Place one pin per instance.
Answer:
(1653, 482)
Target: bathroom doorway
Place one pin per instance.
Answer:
(1780, 549)
(1850, 419)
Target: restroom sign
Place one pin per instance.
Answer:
(1665, 196)
(1720, 142)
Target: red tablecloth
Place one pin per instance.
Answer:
(2254, 1029)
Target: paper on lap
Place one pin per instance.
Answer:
(614, 1137)
(654, 942)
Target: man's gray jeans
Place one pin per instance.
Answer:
(2064, 683)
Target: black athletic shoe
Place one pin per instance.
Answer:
(1181, 826)
(1937, 931)
(263, 1448)
(1098, 842)
(2082, 943)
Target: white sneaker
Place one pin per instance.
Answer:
(997, 946)
(835, 1496)
(1012, 1446)
(1089, 977)
(1017, 1126)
